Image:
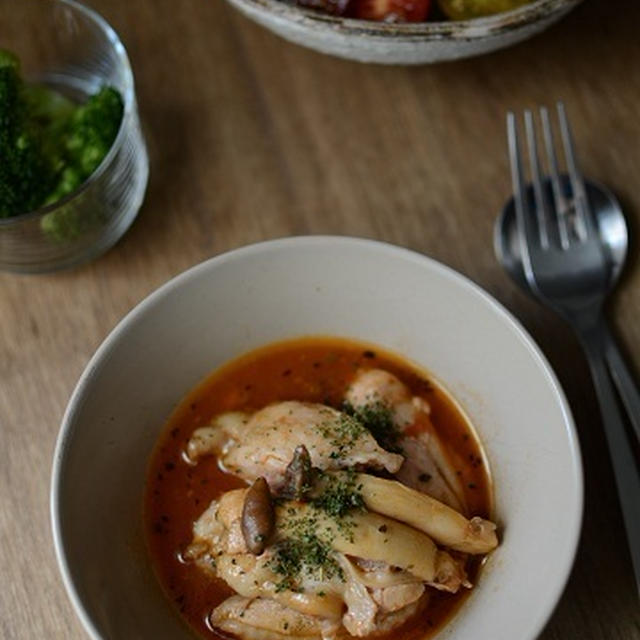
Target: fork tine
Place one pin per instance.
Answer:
(514, 157)
(583, 210)
(560, 202)
(542, 210)
(526, 230)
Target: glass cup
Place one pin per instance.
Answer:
(70, 48)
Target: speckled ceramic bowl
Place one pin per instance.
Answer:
(407, 43)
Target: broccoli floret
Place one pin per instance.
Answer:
(25, 172)
(90, 133)
(86, 139)
(49, 145)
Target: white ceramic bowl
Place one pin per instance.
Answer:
(403, 43)
(303, 286)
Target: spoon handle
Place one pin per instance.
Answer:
(625, 469)
(622, 378)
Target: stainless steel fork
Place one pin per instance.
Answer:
(566, 267)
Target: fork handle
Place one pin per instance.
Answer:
(623, 460)
(622, 378)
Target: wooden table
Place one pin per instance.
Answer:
(253, 138)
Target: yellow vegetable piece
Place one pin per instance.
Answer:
(467, 9)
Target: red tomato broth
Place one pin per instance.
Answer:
(305, 369)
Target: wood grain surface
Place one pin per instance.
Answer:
(253, 138)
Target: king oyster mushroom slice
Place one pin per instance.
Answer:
(445, 525)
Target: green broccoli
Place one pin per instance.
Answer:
(89, 134)
(26, 175)
(82, 143)
(49, 145)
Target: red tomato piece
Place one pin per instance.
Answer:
(392, 10)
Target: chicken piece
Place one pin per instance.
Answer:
(391, 588)
(379, 575)
(387, 621)
(427, 469)
(374, 566)
(264, 443)
(398, 596)
(207, 440)
(426, 466)
(376, 386)
(320, 591)
(378, 538)
(360, 618)
(372, 611)
(253, 576)
(213, 531)
(264, 619)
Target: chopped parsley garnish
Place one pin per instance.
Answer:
(307, 548)
(304, 552)
(342, 433)
(339, 495)
(377, 419)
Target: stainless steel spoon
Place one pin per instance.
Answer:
(614, 235)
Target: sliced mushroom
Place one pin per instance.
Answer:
(258, 516)
(299, 475)
(442, 523)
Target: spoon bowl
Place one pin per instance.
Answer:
(611, 224)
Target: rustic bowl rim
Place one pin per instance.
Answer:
(473, 29)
